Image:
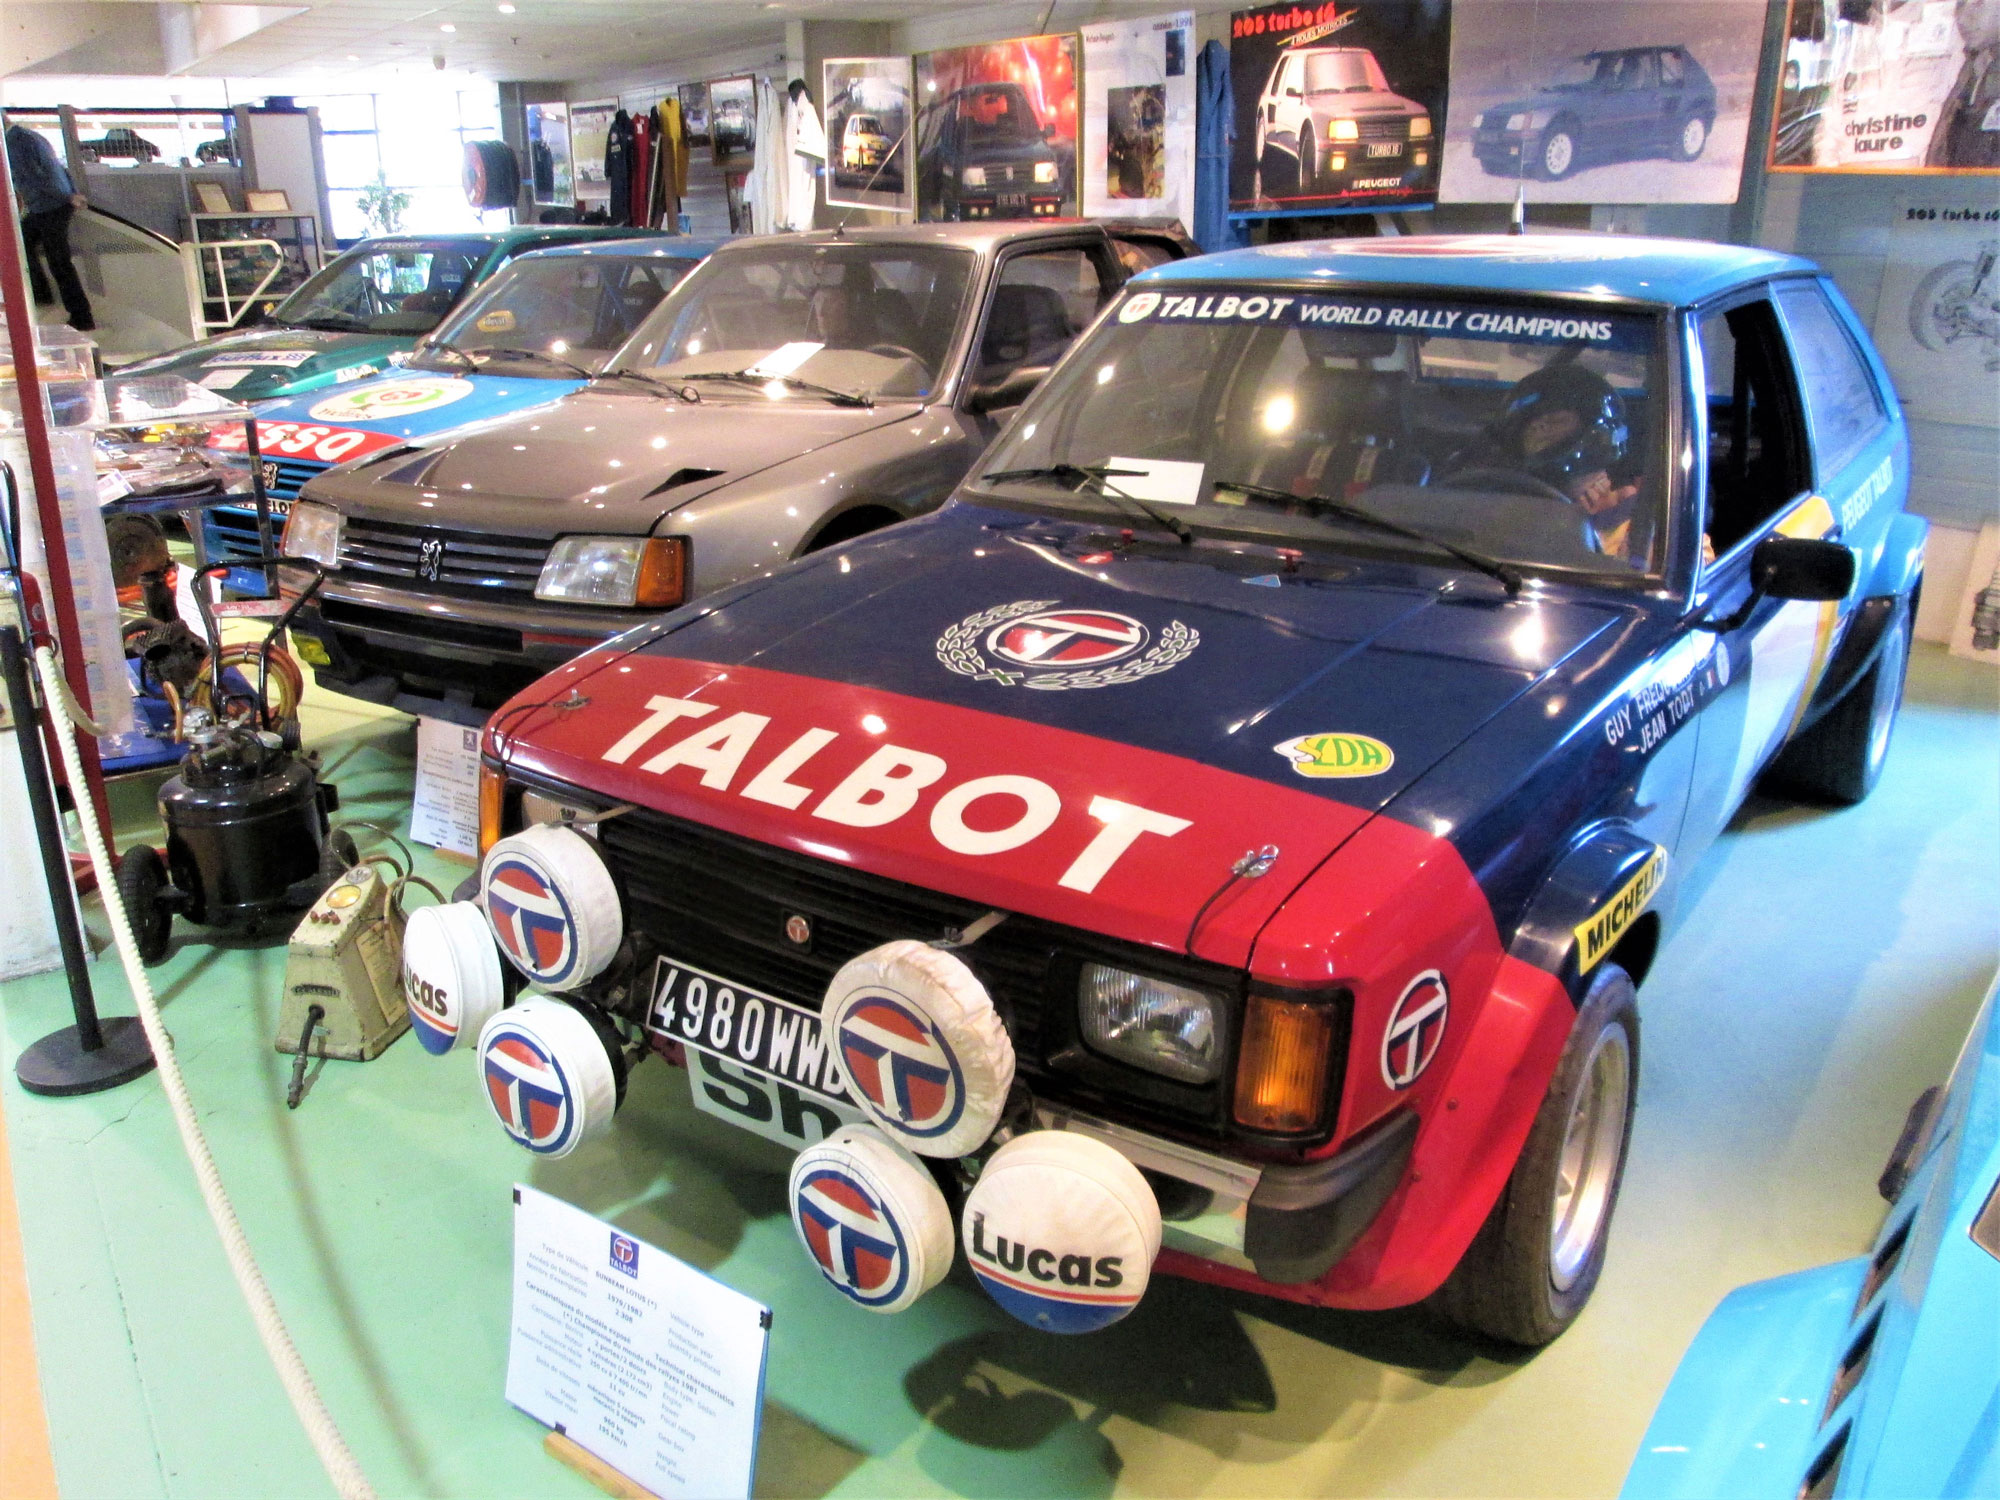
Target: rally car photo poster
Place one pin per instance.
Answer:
(1337, 106)
(1585, 103)
(1890, 86)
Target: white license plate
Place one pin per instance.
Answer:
(1013, 200)
(753, 1059)
(1385, 148)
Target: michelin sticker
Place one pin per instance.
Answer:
(395, 398)
(1598, 933)
(1337, 756)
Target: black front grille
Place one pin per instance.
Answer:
(1384, 128)
(480, 563)
(720, 902)
(420, 628)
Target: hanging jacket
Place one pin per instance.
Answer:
(642, 164)
(768, 172)
(805, 152)
(618, 166)
(1214, 135)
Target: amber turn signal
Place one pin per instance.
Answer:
(662, 573)
(492, 805)
(1281, 1071)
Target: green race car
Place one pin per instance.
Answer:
(360, 310)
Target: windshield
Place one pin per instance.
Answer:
(996, 114)
(873, 320)
(539, 315)
(404, 286)
(1343, 72)
(1581, 72)
(1528, 432)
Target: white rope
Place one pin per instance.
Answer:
(332, 1449)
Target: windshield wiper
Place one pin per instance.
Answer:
(466, 361)
(663, 388)
(1076, 476)
(1360, 515)
(542, 356)
(794, 382)
(331, 323)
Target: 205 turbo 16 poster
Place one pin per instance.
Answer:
(1338, 106)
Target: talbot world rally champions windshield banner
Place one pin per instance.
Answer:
(1398, 315)
(1338, 105)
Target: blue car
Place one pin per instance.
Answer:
(1603, 106)
(1878, 1376)
(538, 330)
(1298, 727)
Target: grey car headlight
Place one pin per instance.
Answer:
(313, 531)
(1165, 1028)
(975, 177)
(1517, 122)
(622, 571)
(1045, 171)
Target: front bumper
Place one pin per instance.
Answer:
(443, 656)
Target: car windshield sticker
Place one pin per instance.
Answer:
(1033, 643)
(1165, 481)
(1466, 320)
(396, 398)
(498, 321)
(224, 379)
(289, 358)
(784, 359)
(1337, 756)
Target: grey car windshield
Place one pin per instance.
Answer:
(1529, 432)
(874, 320)
(571, 309)
(1340, 72)
(404, 287)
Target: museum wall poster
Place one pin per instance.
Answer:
(732, 121)
(1338, 106)
(1889, 86)
(694, 112)
(1600, 101)
(549, 174)
(996, 130)
(1937, 317)
(1138, 118)
(867, 111)
(589, 129)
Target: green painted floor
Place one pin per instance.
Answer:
(1827, 969)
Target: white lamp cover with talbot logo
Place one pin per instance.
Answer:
(552, 905)
(871, 1217)
(923, 1049)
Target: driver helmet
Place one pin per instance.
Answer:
(1597, 441)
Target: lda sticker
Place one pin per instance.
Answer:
(1598, 933)
(1335, 757)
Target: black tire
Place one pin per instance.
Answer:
(492, 175)
(1536, 1260)
(142, 877)
(1277, 174)
(1308, 163)
(1840, 758)
(1556, 152)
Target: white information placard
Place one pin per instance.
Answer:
(653, 1366)
(445, 810)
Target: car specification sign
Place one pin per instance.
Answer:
(653, 1366)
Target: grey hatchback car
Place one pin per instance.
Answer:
(793, 392)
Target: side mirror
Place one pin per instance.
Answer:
(1796, 567)
(1010, 389)
(1292, 93)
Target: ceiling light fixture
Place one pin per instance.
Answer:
(505, 8)
(447, 26)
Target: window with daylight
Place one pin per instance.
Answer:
(414, 143)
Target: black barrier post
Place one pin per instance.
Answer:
(92, 1054)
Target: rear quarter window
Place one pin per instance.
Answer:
(1840, 392)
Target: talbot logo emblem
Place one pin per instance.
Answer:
(430, 559)
(1415, 1030)
(798, 930)
(1040, 645)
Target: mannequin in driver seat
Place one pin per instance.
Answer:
(1566, 426)
(843, 316)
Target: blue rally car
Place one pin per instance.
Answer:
(1878, 1376)
(538, 330)
(1275, 766)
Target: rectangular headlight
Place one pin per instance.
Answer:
(1343, 130)
(1164, 1028)
(1420, 127)
(1517, 122)
(313, 531)
(1045, 171)
(975, 177)
(622, 571)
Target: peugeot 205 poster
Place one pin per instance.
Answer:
(868, 133)
(1600, 101)
(996, 130)
(1338, 106)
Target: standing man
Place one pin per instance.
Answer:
(48, 200)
